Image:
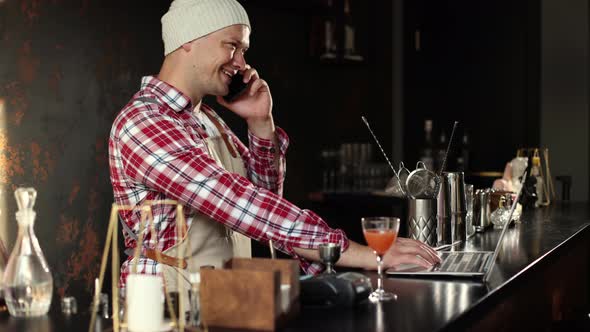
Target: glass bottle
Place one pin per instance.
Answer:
(535, 172)
(195, 301)
(500, 216)
(427, 153)
(463, 156)
(350, 52)
(329, 35)
(28, 285)
(3, 261)
(441, 151)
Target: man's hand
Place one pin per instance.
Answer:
(408, 251)
(254, 106)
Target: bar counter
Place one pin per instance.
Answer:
(540, 282)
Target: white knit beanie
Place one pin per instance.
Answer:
(187, 20)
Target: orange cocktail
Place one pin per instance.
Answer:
(380, 240)
(380, 233)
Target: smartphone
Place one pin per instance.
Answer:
(236, 87)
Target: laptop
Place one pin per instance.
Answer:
(467, 264)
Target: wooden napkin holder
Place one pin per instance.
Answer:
(246, 294)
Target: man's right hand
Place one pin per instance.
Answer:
(403, 251)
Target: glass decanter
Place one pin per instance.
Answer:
(3, 261)
(28, 285)
(501, 215)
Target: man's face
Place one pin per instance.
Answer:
(217, 57)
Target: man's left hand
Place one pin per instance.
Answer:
(254, 105)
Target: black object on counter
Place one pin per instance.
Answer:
(335, 290)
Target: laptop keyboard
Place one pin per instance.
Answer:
(462, 262)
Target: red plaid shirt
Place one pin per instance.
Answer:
(156, 152)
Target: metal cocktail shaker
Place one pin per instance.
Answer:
(422, 220)
(451, 224)
(469, 198)
(481, 210)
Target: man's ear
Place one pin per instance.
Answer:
(187, 46)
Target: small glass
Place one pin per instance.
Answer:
(329, 254)
(69, 305)
(104, 305)
(380, 234)
(195, 301)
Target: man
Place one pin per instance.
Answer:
(166, 144)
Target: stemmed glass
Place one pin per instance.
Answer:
(329, 254)
(380, 233)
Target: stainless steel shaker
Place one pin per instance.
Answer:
(451, 211)
(481, 210)
(422, 220)
(469, 197)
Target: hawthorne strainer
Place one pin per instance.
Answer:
(422, 182)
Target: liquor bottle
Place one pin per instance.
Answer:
(535, 172)
(28, 285)
(426, 153)
(329, 49)
(441, 150)
(350, 52)
(463, 155)
(529, 196)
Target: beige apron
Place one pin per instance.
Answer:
(209, 242)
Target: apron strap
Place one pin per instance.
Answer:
(148, 100)
(128, 230)
(222, 132)
(151, 253)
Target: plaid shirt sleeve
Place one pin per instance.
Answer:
(259, 158)
(158, 152)
(262, 170)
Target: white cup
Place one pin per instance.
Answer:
(144, 297)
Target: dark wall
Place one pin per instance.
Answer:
(478, 63)
(66, 68)
(564, 86)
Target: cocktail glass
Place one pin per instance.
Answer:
(380, 234)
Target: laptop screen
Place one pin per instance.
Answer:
(506, 225)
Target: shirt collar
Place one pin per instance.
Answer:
(166, 93)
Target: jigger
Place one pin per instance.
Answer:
(329, 254)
